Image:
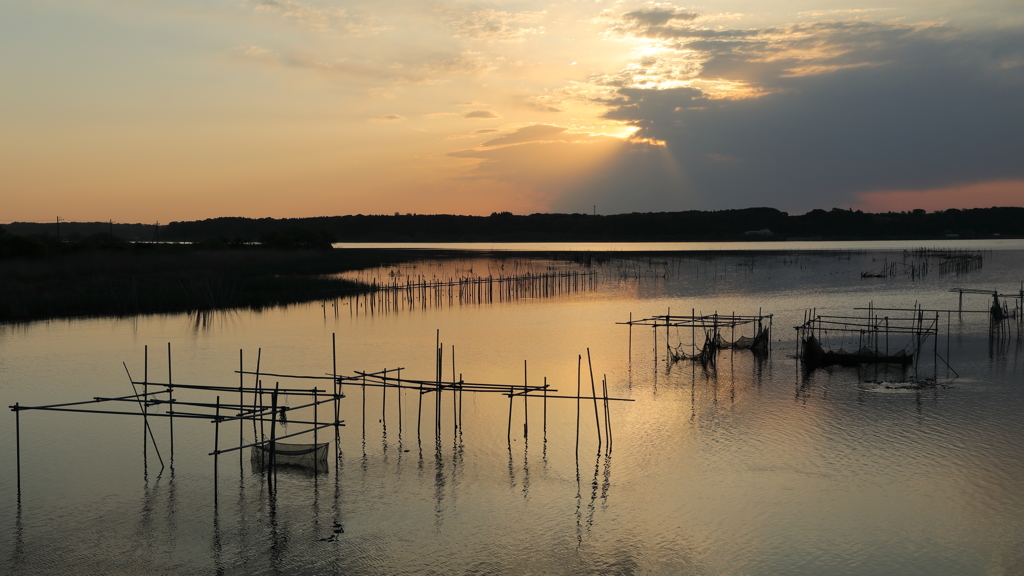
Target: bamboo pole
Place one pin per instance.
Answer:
(579, 364)
(593, 390)
(511, 396)
(170, 399)
(142, 406)
(545, 407)
(258, 393)
(526, 406)
(334, 377)
(273, 436)
(145, 419)
(17, 441)
(216, 449)
(241, 403)
(316, 430)
(607, 413)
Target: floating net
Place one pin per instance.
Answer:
(304, 455)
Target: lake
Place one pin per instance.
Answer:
(753, 466)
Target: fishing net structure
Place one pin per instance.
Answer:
(302, 455)
(713, 342)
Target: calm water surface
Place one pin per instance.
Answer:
(751, 468)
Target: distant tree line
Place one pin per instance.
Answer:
(723, 225)
(36, 245)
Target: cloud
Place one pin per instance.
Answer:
(541, 105)
(658, 16)
(485, 131)
(534, 133)
(390, 118)
(323, 19)
(496, 25)
(255, 54)
(480, 114)
(464, 63)
(836, 109)
(572, 175)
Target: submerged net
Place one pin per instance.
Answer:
(714, 342)
(305, 455)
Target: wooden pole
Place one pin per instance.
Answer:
(145, 419)
(337, 384)
(579, 365)
(273, 433)
(241, 406)
(455, 396)
(607, 413)
(17, 442)
(511, 396)
(419, 414)
(545, 407)
(170, 398)
(259, 392)
(593, 394)
(316, 429)
(144, 403)
(668, 321)
(526, 405)
(216, 448)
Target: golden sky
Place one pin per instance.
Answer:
(142, 111)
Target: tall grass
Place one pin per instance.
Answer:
(138, 282)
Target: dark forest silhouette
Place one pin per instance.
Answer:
(723, 225)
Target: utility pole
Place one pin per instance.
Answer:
(58, 228)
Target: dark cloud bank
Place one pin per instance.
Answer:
(882, 107)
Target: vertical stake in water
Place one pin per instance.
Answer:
(607, 414)
(337, 385)
(17, 441)
(170, 398)
(668, 321)
(259, 393)
(593, 394)
(545, 407)
(316, 429)
(579, 367)
(526, 406)
(273, 436)
(241, 407)
(145, 399)
(455, 397)
(630, 358)
(511, 396)
(216, 449)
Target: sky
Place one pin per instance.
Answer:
(153, 111)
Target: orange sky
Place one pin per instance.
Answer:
(189, 109)
(980, 195)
